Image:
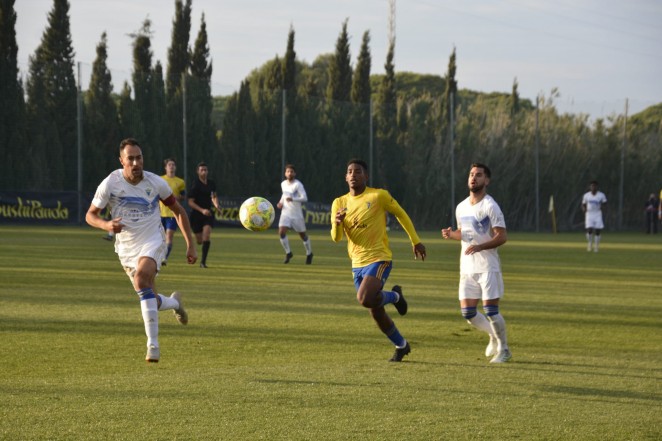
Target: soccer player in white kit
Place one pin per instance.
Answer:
(481, 228)
(592, 206)
(133, 195)
(291, 215)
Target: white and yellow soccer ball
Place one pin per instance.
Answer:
(256, 214)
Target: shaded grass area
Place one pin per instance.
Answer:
(278, 351)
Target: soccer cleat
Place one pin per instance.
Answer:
(180, 313)
(491, 348)
(164, 263)
(400, 353)
(502, 357)
(309, 259)
(288, 256)
(203, 265)
(153, 354)
(401, 304)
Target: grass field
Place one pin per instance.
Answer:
(284, 352)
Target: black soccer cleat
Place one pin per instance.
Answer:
(400, 353)
(401, 304)
(309, 259)
(288, 256)
(203, 265)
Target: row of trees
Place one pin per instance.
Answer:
(417, 131)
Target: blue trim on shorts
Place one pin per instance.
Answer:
(169, 223)
(381, 270)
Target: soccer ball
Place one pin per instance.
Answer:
(256, 214)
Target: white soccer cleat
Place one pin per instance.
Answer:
(491, 348)
(153, 354)
(502, 357)
(180, 313)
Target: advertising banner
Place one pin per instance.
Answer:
(61, 208)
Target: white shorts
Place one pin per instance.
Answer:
(295, 223)
(155, 249)
(594, 220)
(484, 286)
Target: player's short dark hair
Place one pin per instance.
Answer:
(290, 166)
(166, 160)
(360, 162)
(593, 182)
(201, 164)
(485, 168)
(128, 141)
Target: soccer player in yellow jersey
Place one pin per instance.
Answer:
(178, 187)
(361, 215)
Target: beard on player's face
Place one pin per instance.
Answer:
(476, 188)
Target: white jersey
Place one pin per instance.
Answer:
(294, 190)
(138, 206)
(476, 223)
(593, 202)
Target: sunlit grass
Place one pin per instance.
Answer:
(278, 351)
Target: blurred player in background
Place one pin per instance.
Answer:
(133, 196)
(360, 214)
(200, 199)
(592, 203)
(291, 215)
(178, 187)
(481, 228)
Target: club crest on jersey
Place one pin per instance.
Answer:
(148, 190)
(368, 204)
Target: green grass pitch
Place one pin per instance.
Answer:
(284, 352)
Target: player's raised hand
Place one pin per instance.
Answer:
(419, 250)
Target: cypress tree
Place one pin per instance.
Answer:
(340, 71)
(289, 68)
(361, 96)
(361, 90)
(102, 132)
(179, 60)
(389, 156)
(142, 82)
(514, 99)
(52, 107)
(12, 104)
(199, 102)
(157, 130)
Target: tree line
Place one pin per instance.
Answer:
(420, 133)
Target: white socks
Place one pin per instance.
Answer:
(151, 318)
(167, 303)
(286, 244)
(308, 246)
(479, 321)
(498, 325)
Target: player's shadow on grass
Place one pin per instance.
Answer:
(591, 393)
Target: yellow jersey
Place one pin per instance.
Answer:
(365, 225)
(178, 187)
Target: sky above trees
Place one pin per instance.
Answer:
(597, 53)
